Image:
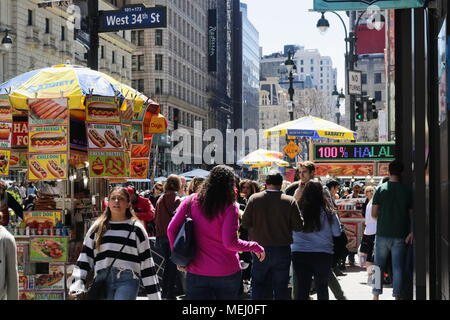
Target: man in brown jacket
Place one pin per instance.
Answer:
(271, 216)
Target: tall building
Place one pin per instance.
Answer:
(170, 65)
(250, 73)
(44, 36)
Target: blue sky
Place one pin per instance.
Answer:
(281, 22)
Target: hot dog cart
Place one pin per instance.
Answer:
(350, 162)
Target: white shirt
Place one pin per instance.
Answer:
(371, 223)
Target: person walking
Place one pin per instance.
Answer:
(392, 208)
(9, 277)
(370, 230)
(312, 249)
(270, 217)
(165, 210)
(157, 190)
(306, 172)
(117, 248)
(215, 271)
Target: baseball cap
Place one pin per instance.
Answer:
(130, 190)
(357, 183)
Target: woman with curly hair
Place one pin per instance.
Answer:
(215, 271)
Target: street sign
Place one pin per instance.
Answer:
(354, 82)
(292, 149)
(132, 17)
(360, 5)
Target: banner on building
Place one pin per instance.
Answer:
(212, 40)
(349, 5)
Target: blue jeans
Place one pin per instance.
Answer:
(120, 284)
(397, 247)
(276, 264)
(213, 288)
(307, 265)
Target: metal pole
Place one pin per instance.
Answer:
(350, 66)
(291, 95)
(92, 54)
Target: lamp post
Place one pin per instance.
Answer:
(6, 46)
(290, 66)
(340, 98)
(350, 57)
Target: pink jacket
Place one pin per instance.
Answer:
(217, 241)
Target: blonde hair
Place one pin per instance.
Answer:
(369, 188)
(103, 220)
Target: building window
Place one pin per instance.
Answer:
(113, 57)
(378, 96)
(312, 61)
(158, 62)
(102, 52)
(377, 77)
(63, 33)
(140, 85)
(158, 37)
(301, 69)
(312, 69)
(364, 93)
(123, 62)
(301, 62)
(158, 86)
(137, 63)
(47, 25)
(137, 37)
(30, 17)
(364, 78)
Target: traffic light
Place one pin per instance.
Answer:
(359, 111)
(372, 112)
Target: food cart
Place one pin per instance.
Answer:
(351, 162)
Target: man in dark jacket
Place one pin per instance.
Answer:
(271, 216)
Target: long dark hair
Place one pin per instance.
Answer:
(103, 220)
(311, 203)
(217, 191)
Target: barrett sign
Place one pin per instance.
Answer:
(132, 17)
(352, 5)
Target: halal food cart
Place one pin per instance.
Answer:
(351, 162)
(69, 141)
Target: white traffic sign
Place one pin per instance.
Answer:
(354, 82)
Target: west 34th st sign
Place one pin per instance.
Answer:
(132, 17)
(328, 5)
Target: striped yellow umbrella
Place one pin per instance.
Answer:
(262, 158)
(313, 127)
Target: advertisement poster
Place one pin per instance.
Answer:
(22, 255)
(78, 158)
(139, 116)
(383, 169)
(4, 162)
(104, 164)
(104, 136)
(48, 249)
(126, 132)
(139, 168)
(137, 134)
(344, 170)
(54, 280)
(102, 109)
(47, 219)
(20, 134)
(48, 111)
(41, 295)
(48, 139)
(141, 150)
(5, 108)
(156, 124)
(5, 134)
(18, 159)
(26, 282)
(127, 115)
(47, 166)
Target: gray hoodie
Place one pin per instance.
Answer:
(9, 279)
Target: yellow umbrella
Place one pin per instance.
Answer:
(262, 158)
(313, 127)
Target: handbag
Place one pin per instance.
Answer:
(184, 247)
(98, 290)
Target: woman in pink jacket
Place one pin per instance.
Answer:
(215, 272)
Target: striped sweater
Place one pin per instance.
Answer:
(135, 256)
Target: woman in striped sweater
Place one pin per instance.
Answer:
(116, 227)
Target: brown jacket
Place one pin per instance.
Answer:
(165, 209)
(270, 217)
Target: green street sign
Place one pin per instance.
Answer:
(352, 5)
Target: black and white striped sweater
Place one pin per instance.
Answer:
(135, 256)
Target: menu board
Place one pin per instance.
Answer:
(108, 164)
(48, 111)
(4, 162)
(5, 108)
(139, 168)
(41, 295)
(344, 169)
(47, 166)
(5, 134)
(18, 159)
(127, 114)
(48, 139)
(383, 169)
(126, 133)
(104, 136)
(102, 109)
(141, 150)
(54, 280)
(48, 249)
(42, 217)
(137, 134)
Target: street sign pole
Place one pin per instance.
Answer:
(92, 53)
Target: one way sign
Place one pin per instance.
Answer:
(132, 17)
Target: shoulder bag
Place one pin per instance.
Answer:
(184, 247)
(97, 291)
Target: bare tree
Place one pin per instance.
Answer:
(311, 102)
